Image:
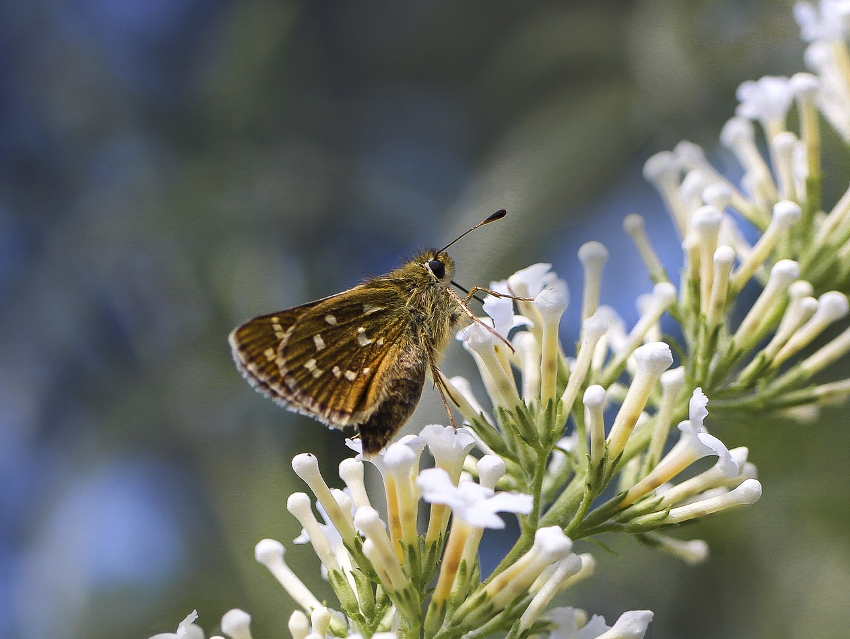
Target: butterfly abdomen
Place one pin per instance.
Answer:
(401, 394)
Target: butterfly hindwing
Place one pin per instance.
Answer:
(405, 377)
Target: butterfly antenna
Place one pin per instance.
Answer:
(498, 215)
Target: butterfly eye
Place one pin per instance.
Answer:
(437, 268)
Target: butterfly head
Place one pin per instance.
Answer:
(439, 265)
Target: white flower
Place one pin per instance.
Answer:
(351, 472)
(378, 548)
(528, 282)
(501, 309)
(616, 333)
(551, 303)
(696, 438)
(694, 443)
(766, 99)
(378, 461)
(703, 444)
(299, 625)
(356, 445)
(491, 468)
(236, 624)
(270, 553)
(329, 530)
(477, 505)
(652, 359)
(500, 386)
(828, 23)
(834, 91)
(400, 459)
(630, 625)
(336, 506)
(715, 477)
(185, 630)
(448, 446)
(693, 551)
(475, 335)
(300, 505)
(567, 621)
(748, 492)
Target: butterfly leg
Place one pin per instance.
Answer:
(445, 393)
(476, 289)
(462, 303)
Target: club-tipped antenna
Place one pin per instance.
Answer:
(498, 215)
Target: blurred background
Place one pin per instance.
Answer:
(169, 168)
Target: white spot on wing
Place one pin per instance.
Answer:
(350, 375)
(380, 341)
(361, 337)
(269, 353)
(318, 341)
(368, 309)
(330, 319)
(310, 365)
(336, 371)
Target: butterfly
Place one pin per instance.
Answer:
(360, 357)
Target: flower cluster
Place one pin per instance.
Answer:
(577, 446)
(541, 449)
(382, 571)
(800, 258)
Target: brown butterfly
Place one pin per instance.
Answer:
(359, 358)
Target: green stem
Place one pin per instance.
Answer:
(584, 506)
(568, 500)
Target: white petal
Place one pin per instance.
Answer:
(529, 281)
(501, 311)
(697, 411)
(186, 629)
(354, 444)
(511, 503)
(767, 98)
(632, 624)
(566, 624)
(437, 487)
(445, 442)
(593, 628)
(480, 518)
(725, 460)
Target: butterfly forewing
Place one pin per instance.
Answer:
(337, 354)
(255, 345)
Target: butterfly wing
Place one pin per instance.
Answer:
(339, 356)
(255, 345)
